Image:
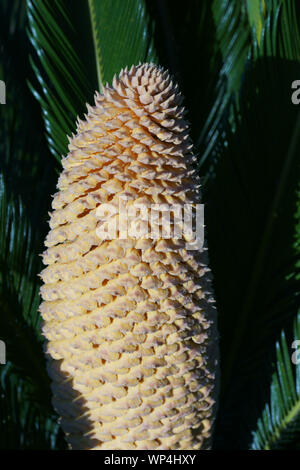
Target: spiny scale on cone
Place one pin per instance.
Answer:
(130, 323)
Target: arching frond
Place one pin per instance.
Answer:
(279, 425)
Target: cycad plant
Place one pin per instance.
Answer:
(235, 63)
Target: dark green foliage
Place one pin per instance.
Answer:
(279, 426)
(235, 62)
(27, 178)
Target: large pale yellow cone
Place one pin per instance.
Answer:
(130, 322)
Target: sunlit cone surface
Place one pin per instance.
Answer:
(130, 322)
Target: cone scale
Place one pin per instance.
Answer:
(130, 323)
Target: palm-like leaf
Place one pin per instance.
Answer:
(117, 33)
(279, 426)
(24, 380)
(25, 168)
(251, 202)
(233, 38)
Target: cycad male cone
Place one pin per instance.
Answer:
(130, 321)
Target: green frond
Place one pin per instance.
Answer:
(251, 200)
(24, 424)
(245, 31)
(79, 48)
(25, 409)
(256, 10)
(233, 39)
(19, 292)
(121, 35)
(279, 425)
